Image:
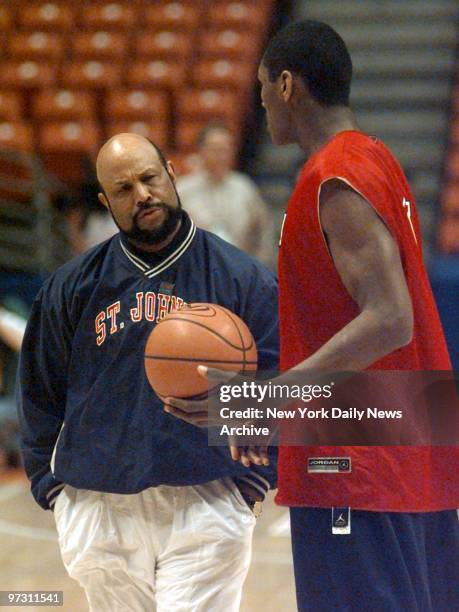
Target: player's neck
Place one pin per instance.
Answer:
(322, 126)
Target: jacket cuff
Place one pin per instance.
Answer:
(52, 495)
(256, 481)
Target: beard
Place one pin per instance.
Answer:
(173, 215)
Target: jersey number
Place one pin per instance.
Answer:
(407, 204)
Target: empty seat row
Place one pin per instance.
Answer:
(164, 44)
(128, 104)
(183, 16)
(170, 75)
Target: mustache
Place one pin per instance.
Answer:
(149, 205)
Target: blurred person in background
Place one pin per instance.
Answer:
(226, 202)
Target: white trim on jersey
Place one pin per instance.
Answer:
(150, 272)
(134, 259)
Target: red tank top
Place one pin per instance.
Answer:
(314, 305)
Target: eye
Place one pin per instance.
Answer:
(124, 188)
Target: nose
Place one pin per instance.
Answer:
(142, 194)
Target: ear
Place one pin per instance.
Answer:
(286, 84)
(171, 171)
(103, 200)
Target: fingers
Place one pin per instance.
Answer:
(199, 419)
(203, 371)
(192, 412)
(188, 406)
(235, 454)
(258, 455)
(264, 455)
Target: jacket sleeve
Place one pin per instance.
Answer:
(41, 390)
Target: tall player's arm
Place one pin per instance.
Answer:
(367, 259)
(41, 391)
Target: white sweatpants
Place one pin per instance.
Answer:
(170, 549)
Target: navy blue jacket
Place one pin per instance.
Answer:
(88, 416)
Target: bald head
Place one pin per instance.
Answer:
(138, 188)
(123, 147)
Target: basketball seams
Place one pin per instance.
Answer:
(212, 331)
(244, 349)
(198, 310)
(202, 360)
(172, 353)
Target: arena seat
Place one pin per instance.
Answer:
(163, 44)
(17, 135)
(10, 105)
(109, 15)
(230, 44)
(91, 75)
(16, 176)
(247, 15)
(18, 75)
(136, 105)
(35, 46)
(156, 130)
(63, 104)
(65, 146)
(159, 74)
(99, 45)
(81, 136)
(229, 74)
(54, 16)
(180, 16)
(206, 104)
(6, 19)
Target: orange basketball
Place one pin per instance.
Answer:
(197, 334)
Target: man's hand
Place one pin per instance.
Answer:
(194, 412)
(197, 413)
(257, 455)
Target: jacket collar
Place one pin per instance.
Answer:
(152, 264)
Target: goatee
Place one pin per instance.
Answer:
(155, 236)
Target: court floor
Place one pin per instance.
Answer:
(30, 560)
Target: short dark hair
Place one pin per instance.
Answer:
(318, 54)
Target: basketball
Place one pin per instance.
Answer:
(197, 334)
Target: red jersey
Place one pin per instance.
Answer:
(314, 305)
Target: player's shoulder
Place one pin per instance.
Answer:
(362, 146)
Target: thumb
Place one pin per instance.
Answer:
(203, 371)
